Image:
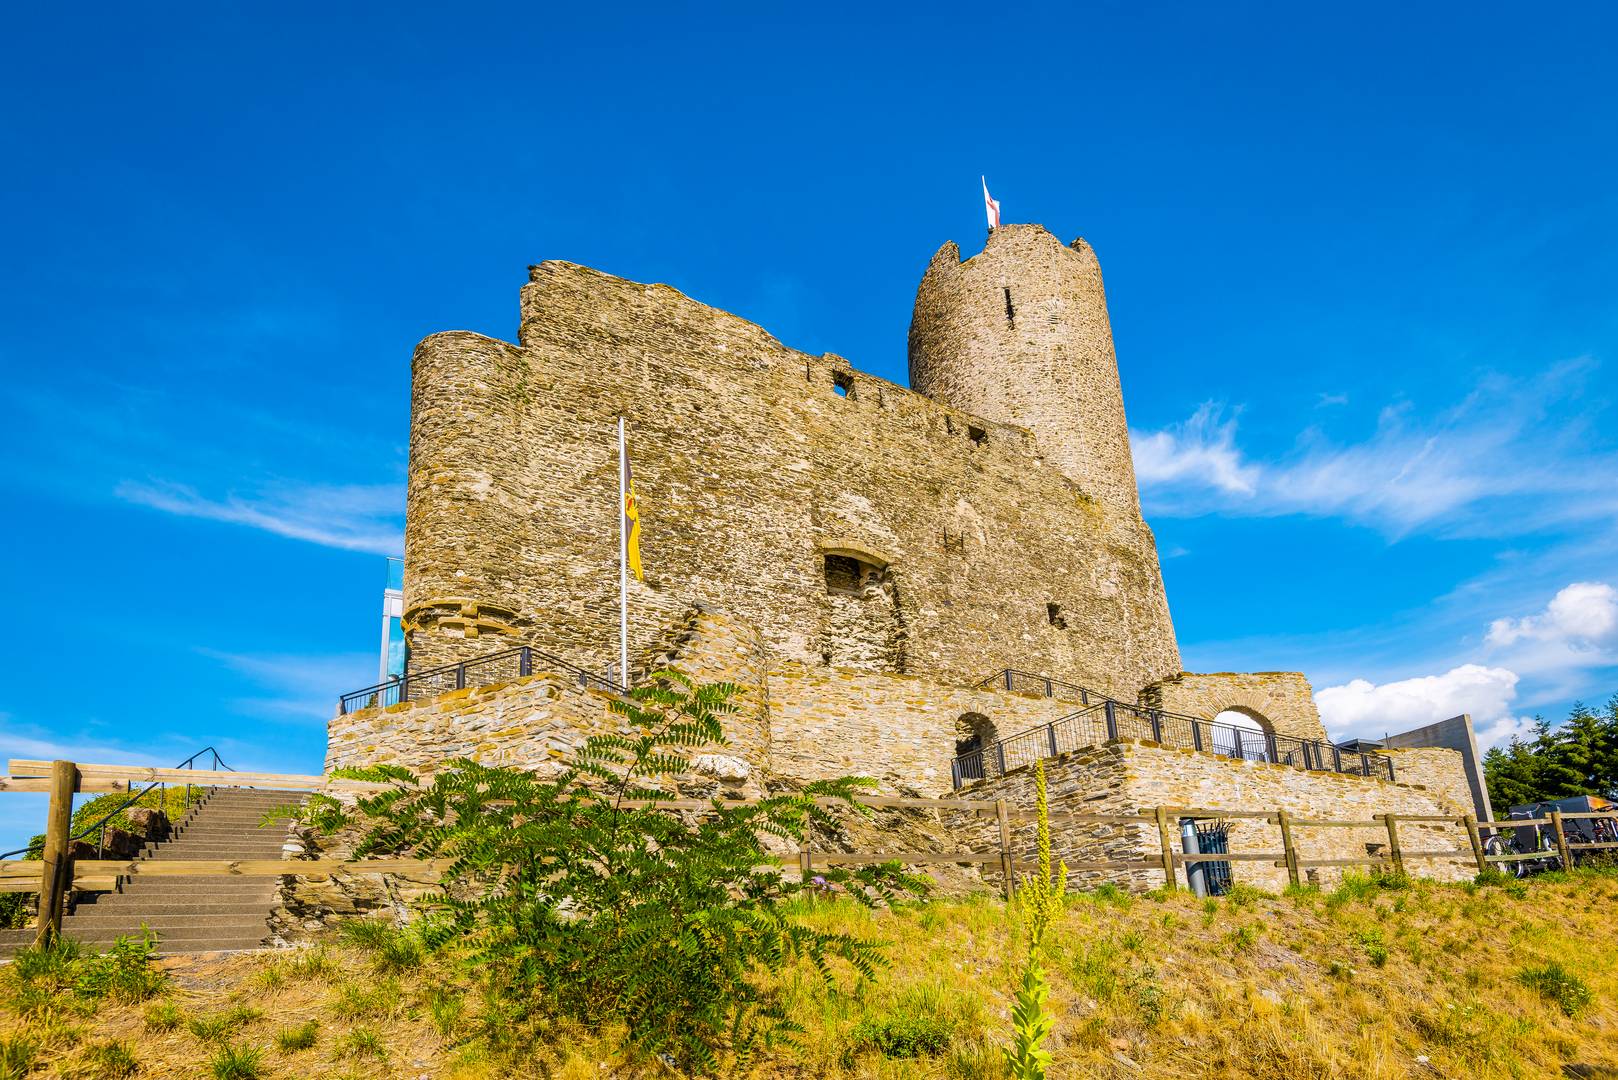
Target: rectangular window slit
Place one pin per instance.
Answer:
(1011, 314)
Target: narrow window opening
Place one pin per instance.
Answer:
(1053, 612)
(1011, 312)
(949, 426)
(842, 383)
(978, 436)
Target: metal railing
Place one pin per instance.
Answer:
(99, 826)
(1108, 719)
(1026, 682)
(514, 663)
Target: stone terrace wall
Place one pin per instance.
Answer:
(751, 468)
(1282, 698)
(1161, 777)
(1130, 777)
(1439, 771)
(898, 729)
(1094, 780)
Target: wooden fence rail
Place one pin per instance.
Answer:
(55, 875)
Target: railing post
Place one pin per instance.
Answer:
(525, 662)
(56, 873)
(460, 676)
(1398, 857)
(1336, 758)
(955, 775)
(1112, 719)
(1008, 679)
(1052, 729)
(1561, 840)
(1471, 824)
(1157, 725)
(1001, 747)
(1196, 735)
(1165, 840)
(1004, 817)
(1084, 696)
(1049, 692)
(1284, 819)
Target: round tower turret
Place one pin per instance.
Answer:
(1019, 334)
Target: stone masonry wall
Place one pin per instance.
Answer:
(1282, 699)
(898, 729)
(1127, 777)
(753, 463)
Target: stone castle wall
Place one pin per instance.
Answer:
(1283, 700)
(901, 730)
(1019, 333)
(857, 523)
(1129, 777)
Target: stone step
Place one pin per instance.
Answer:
(177, 907)
(164, 924)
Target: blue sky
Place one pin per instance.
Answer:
(1361, 269)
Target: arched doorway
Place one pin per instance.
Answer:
(1241, 733)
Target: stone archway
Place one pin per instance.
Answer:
(1243, 732)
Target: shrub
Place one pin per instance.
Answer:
(1559, 986)
(573, 895)
(112, 1059)
(902, 1035)
(237, 1063)
(124, 972)
(1243, 938)
(1376, 950)
(292, 1039)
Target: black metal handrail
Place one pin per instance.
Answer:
(99, 826)
(1108, 719)
(513, 663)
(1016, 681)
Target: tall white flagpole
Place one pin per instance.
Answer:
(623, 564)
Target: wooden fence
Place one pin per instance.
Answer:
(56, 874)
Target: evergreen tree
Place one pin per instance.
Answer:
(1579, 757)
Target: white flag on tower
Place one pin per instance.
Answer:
(991, 207)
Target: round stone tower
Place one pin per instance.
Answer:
(1019, 334)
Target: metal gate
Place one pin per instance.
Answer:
(1213, 838)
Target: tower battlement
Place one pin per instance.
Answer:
(1019, 333)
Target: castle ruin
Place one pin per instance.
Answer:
(901, 577)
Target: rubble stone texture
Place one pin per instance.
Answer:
(856, 523)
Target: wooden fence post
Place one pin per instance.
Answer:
(57, 872)
(1004, 816)
(1290, 853)
(1166, 839)
(1398, 857)
(1472, 834)
(1561, 839)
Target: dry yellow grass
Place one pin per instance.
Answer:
(1380, 984)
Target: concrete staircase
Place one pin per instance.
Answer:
(189, 913)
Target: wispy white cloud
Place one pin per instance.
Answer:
(354, 517)
(295, 688)
(1494, 464)
(1584, 613)
(1198, 453)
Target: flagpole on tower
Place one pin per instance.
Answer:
(623, 561)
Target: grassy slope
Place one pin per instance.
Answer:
(1159, 986)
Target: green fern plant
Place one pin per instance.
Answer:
(1042, 901)
(576, 896)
